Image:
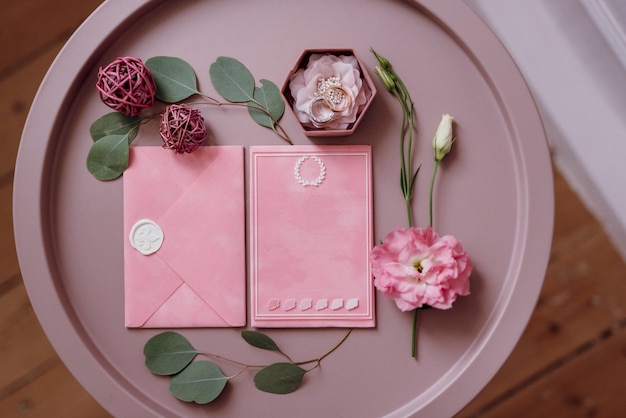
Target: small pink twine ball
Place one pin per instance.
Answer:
(182, 128)
(126, 85)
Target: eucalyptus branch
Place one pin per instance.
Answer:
(276, 127)
(231, 361)
(298, 363)
(170, 354)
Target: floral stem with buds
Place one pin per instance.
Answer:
(396, 86)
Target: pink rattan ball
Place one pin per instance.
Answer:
(126, 85)
(182, 128)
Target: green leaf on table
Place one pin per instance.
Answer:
(115, 123)
(260, 340)
(108, 157)
(280, 378)
(232, 80)
(168, 353)
(200, 382)
(271, 100)
(175, 79)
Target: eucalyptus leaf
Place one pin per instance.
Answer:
(271, 100)
(280, 378)
(108, 157)
(232, 80)
(175, 79)
(200, 382)
(115, 123)
(168, 353)
(260, 340)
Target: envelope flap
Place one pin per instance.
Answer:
(204, 232)
(149, 189)
(150, 281)
(186, 307)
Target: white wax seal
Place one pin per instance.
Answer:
(146, 236)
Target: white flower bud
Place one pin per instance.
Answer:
(442, 142)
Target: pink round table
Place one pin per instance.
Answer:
(494, 192)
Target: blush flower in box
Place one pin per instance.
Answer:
(416, 267)
(328, 91)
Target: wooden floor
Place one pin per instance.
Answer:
(570, 361)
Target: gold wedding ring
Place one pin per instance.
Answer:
(330, 98)
(337, 98)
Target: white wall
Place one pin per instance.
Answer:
(573, 56)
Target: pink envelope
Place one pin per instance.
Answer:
(196, 278)
(310, 236)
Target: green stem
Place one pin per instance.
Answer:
(407, 109)
(135, 130)
(409, 174)
(403, 167)
(414, 337)
(299, 363)
(236, 363)
(277, 129)
(241, 370)
(432, 187)
(318, 360)
(282, 134)
(336, 346)
(406, 170)
(213, 100)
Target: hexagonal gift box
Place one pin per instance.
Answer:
(328, 91)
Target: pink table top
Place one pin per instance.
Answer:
(494, 193)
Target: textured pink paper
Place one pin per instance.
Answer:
(311, 233)
(197, 277)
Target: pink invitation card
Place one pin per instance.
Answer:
(184, 230)
(310, 236)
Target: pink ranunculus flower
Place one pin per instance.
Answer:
(303, 86)
(416, 267)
